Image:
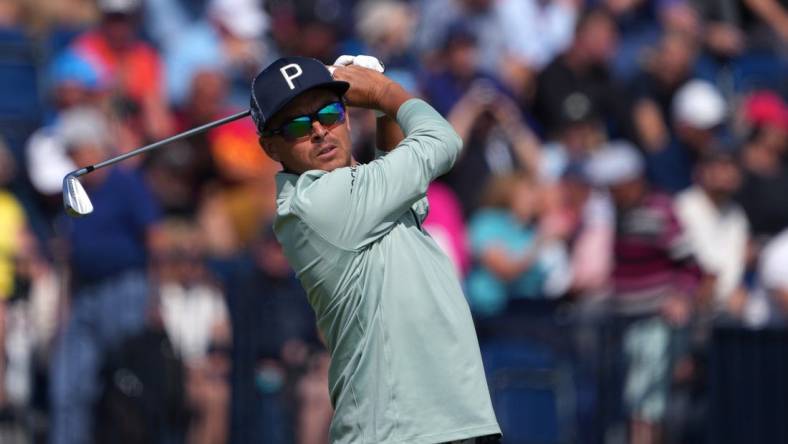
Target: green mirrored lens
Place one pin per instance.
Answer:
(331, 114)
(298, 127)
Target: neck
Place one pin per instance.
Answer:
(716, 198)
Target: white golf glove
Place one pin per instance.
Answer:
(364, 61)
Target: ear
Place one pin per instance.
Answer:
(269, 147)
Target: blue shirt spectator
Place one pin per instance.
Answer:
(492, 228)
(113, 238)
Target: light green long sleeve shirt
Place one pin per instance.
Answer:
(405, 361)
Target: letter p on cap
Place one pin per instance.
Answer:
(286, 73)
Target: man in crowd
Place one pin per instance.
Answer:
(108, 257)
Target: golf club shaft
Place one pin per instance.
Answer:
(160, 143)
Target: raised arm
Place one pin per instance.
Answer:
(354, 206)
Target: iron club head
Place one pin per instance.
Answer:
(75, 198)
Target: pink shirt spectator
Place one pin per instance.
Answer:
(445, 224)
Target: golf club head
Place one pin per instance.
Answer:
(75, 199)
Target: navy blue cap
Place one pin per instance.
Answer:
(284, 80)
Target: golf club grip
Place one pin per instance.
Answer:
(160, 143)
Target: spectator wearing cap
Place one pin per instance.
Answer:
(654, 280)
(108, 253)
(580, 133)
(765, 163)
(698, 115)
(717, 229)
(229, 40)
(130, 68)
(74, 82)
(588, 215)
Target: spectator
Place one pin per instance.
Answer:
(386, 29)
(717, 229)
(698, 116)
(537, 31)
(497, 141)
(181, 173)
(773, 278)
(275, 334)
(74, 82)
(229, 40)
(517, 253)
(580, 133)
(481, 21)
(458, 70)
(17, 246)
(654, 281)
(589, 218)
(666, 69)
(129, 67)
(735, 25)
(445, 224)
(108, 256)
(764, 160)
(583, 68)
(196, 321)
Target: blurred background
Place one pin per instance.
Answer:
(618, 216)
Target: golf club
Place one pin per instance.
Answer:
(75, 198)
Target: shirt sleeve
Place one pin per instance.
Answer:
(353, 206)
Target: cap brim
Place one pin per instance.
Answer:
(338, 86)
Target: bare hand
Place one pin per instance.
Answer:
(676, 310)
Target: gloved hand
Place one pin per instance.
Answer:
(364, 61)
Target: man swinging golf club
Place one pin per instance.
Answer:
(405, 361)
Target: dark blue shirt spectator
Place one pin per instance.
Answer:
(112, 239)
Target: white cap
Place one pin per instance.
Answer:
(118, 6)
(699, 104)
(82, 126)
(619, 161)
(243, 18)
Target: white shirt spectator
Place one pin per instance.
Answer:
(537, 31)
(717, 237)
(773, 267)
(191, 314)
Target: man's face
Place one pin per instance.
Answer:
(721, 177)
(325, 148)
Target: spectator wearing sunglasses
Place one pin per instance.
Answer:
(405, 360)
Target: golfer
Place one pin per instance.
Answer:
(405, 361)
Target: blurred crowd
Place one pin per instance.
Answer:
(622, 196)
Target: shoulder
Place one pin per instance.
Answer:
(689, 199)
(314, 192)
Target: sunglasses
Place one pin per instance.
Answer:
(301, 126)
